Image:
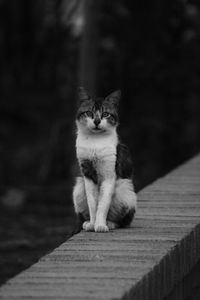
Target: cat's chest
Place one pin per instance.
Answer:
(96, 148)
(97, 157)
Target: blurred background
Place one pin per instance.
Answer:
(149, 50)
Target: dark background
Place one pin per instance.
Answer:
(47, 48)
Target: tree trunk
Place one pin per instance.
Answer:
(89, 46)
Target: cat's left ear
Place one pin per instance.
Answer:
(114, 97)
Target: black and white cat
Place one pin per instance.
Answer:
(104, 194)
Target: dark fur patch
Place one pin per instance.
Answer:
(88, 170)
(78, 224)
(124, 166)
(82, 217)
(98, 103)
(127, 217)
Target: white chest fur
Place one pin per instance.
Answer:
(99, 146)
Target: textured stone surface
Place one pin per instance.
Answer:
(141, 262)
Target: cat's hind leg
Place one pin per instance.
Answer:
(123, 205)
(80, 201)
(112, 225)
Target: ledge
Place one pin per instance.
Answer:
(145, 261)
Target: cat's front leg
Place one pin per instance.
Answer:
(105, 198)
(91, 194)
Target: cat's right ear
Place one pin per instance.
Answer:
(114, 97)
(83, 94)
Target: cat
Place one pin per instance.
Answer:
(103, 194)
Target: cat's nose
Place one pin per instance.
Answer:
(97, 121)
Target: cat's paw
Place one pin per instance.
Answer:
(88, 226)
(101, 228)
(112, 225)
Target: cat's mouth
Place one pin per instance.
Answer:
(97, 129)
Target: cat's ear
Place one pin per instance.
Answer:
(114, 97)
(83, 94)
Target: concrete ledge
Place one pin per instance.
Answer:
(145, 261)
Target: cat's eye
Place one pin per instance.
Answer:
(105, 115)
(89, 114)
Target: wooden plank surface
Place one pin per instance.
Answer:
(141, 262)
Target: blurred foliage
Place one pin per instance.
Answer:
(37, 80)
(149, 50)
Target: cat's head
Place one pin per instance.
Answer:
(99, 115)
